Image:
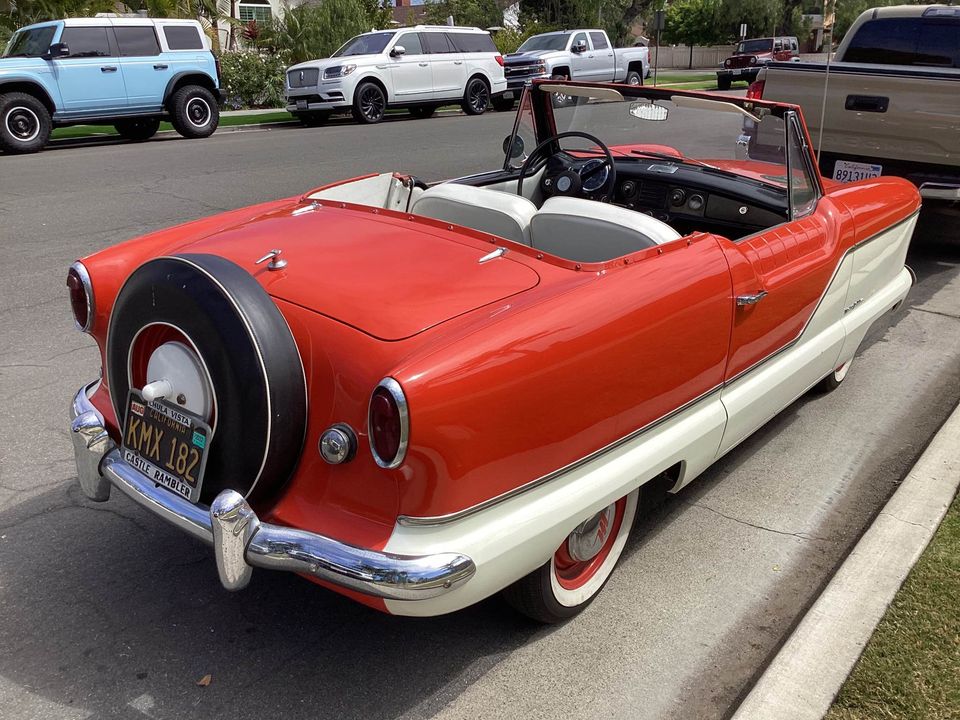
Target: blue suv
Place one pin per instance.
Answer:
(131, 72)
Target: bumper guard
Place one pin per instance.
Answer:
(241, 541)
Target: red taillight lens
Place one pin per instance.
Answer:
(500, 60)
(387, 423)
(755, 91)
(80, 296)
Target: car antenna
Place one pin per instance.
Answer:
(829, 16)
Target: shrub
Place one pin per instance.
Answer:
(252, 80)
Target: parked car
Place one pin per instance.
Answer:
(129, 72)
(751, 55)
(572, 54)
(419, 68)
(891, 101)
(420, 396)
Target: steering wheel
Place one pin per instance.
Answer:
(567, 175)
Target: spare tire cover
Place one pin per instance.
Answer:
(250, 354)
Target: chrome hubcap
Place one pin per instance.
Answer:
(589, 537)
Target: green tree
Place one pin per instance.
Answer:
(312, 31)
(473, 13)
(694, 22)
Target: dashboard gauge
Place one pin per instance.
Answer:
(595, 181)
(695, 202)
(677, 196)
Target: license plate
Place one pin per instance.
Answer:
(167, 444)
(846, 171)
(508, 95)
(301, 104)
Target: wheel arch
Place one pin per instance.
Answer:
(29, 87)
(189, 77)
(376, 80)
(561, 70)
(636, 66)
(478, 74)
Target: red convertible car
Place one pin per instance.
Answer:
(420, 396)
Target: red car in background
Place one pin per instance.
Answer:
(751, 55)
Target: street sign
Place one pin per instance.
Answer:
(659, 18)
(743, 30)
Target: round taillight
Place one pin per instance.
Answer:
(388, 424)
(81, 296)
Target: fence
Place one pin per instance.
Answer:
(678, 56)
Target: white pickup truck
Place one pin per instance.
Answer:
(571, 55)
(892, 99)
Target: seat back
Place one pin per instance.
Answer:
(590, 231)
(489, 211)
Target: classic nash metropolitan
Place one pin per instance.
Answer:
(420, 396)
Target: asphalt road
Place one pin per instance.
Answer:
(107, 612)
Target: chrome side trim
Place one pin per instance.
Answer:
(419, 521)
(88, 291)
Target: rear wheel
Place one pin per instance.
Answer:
(476, 97)
(423, 111)
(25, 124)
(369, 103)
(633, 78)
(723, 82)
(579, 568)
(501, 104)
(138, 129)
(194, 112)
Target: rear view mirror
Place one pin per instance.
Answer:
(398, 50)
(516, 150)
(57, 50)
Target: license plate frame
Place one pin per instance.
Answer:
(849, 171)
(301, 104)
(154, 432)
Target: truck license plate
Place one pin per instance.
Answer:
(846, 171)
(301, 104)
(167, 444)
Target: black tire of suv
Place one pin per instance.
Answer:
(501, 104)
(25, 123)
(194, 112)
(723, 82)
(369, 103)
(422, 112)
(137, 129)
(633, 78)
(313, 119)
(476, 97)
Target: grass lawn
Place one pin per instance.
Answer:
(76, 131)
(702, 85)
(670, 76)
(911, 667)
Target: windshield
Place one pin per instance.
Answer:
(371, 44)
(552, 41)
(755, 46)
(30, 43)
(667, 132)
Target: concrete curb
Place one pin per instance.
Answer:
(805, 676)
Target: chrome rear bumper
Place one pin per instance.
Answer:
(241, 541)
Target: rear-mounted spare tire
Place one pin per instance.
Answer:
(249, 355)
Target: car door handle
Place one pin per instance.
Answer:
(108, 68)
(867, 103)
(458, 62)
(743, 300)
(160, 67)
(423, 64)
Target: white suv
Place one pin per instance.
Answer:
(419, 68)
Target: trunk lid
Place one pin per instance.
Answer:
(389, 277)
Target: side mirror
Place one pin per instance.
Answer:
(516, 149)
(57, 50)
(579, 47)
(398, 50)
